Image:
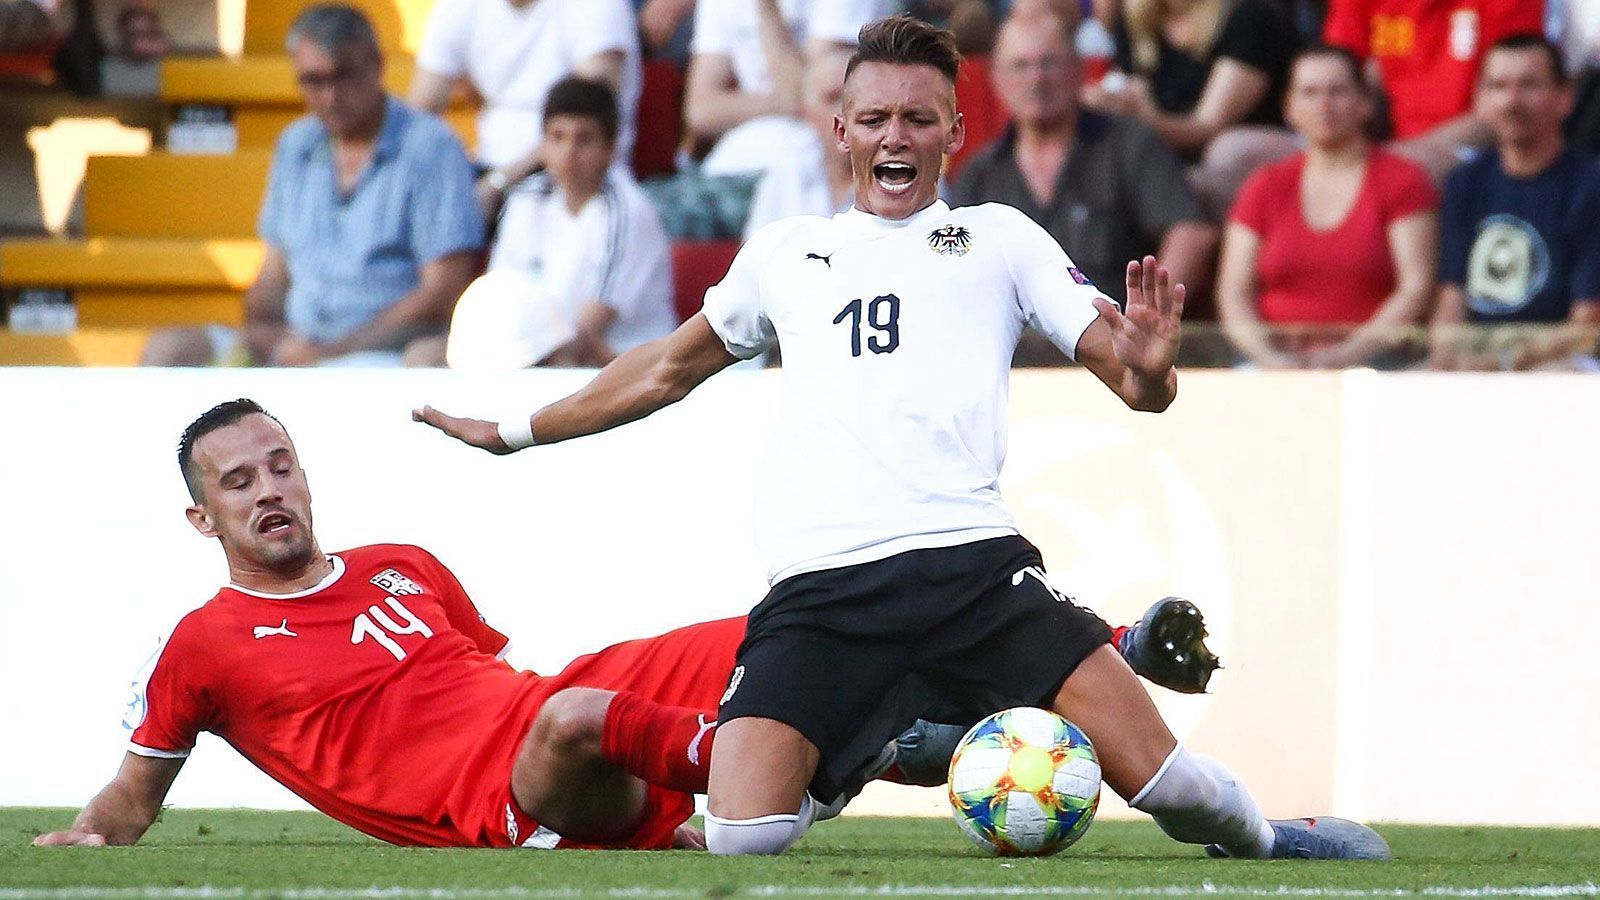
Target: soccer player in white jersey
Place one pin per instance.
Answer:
(898, 576)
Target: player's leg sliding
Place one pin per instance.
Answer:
(760, 835)
(1197, 801)
(1167, 646)
(1192, 798)
(758, 800)
(583, 767)
(669, 746)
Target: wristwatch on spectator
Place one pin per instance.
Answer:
(498, 180)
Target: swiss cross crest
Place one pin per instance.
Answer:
(397, 584)
(951, 240)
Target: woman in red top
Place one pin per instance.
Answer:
(1340, 234)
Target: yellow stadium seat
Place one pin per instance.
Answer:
(138, 282)
(130, 263)
(399, 23)
(84, 347)
(175, 196)
(261, 91)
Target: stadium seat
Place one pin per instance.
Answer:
(166, 196)
(138, 282)
(84, 347)
(261, 93)
(660, 119)
(399, 23)
(696, 266)
(982, 110)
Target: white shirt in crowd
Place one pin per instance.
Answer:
(1575, 24)
(613, 250)
(897, 340)
(731, 28)
(793, 181)
(512, 56)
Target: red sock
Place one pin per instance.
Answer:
(1116, 636)
(669, 746)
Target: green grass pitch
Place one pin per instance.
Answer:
(240, 853)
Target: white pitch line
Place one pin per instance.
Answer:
(1204, 889)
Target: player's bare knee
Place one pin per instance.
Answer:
(571, 721)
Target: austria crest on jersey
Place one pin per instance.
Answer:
(951, 240)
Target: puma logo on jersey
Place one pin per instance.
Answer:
(694, 745)
(951, 240)
(262, 631)
(826, 260)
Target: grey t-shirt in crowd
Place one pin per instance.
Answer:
(1119, 191)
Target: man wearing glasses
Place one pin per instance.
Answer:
(369, 221)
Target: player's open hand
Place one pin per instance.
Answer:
(70, 839)
(1145, 338)
(477, 432)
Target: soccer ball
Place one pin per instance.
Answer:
(1024, 782)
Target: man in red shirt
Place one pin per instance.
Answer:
(367, 683)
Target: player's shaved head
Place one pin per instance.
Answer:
(220, 416)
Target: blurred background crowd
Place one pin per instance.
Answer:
(497, 184)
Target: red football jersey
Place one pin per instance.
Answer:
(378, 697)
(1428, 50)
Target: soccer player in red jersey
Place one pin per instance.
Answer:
(367, 683)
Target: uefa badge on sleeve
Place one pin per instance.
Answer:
(951, 240)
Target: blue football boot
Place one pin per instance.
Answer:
(1322, 837)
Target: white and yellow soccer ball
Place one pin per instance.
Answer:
(1024, 782)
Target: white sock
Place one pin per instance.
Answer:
(1196, 800)
(761, 836)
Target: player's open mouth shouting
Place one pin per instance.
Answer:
(894, 176)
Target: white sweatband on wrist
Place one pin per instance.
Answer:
(517, 433)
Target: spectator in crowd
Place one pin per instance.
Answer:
(140, 35)
(1104, 186)
(26, 24)
(134, 69)
(581, 268)
(1342, 235)
(747, 64)
(1578, 29)
(1193, 68)
(510, 52)
(369, 222)
(1426, 55)
(664, 26)
(1422, 55)
(808, 175)
(971, 21)
(1521, 224)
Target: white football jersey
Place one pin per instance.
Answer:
(897, 338)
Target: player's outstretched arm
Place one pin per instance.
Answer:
(1134, 352)
(124, 809)
(632, 386)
